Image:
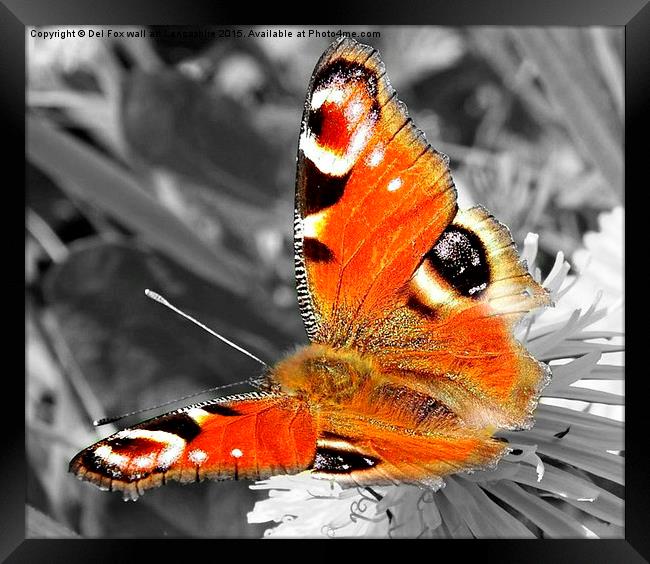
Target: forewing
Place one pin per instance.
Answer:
(249, 436)
(372, 196)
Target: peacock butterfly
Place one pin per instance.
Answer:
(409, 304)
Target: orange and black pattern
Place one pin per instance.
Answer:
(409, 303)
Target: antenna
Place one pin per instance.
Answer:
(251, 381)
(158, 298)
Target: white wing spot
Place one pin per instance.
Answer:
(353, 111)
(434, 293)
(168, 456)
(332, 95)
(111, 458)
(198, 456)
(144, 461)
(359, 139)
(394, 184)
(236, 453)
(313, 224)
(325, 160)
(376, 156)
(197, 414)
(173, 445)
(330, 162)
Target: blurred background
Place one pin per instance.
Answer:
(168, 161)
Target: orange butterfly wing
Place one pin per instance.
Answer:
(250, 436)
(410, 305)
(371, 195)
(460, 346)
(394, 454)
(386, 264)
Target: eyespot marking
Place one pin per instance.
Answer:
(105, 453)
(340, 119)
(345, 72)
(315, 121)
(334, 461)
(335, 154)
(428, 290)
(459, 257)
(144, 462)
(132, 454)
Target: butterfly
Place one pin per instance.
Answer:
(409, 304)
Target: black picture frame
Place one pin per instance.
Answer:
(634, 15)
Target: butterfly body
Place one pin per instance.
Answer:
(323, 374)
(409, 304)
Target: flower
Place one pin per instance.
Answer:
(562, 478)
(600, 283)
